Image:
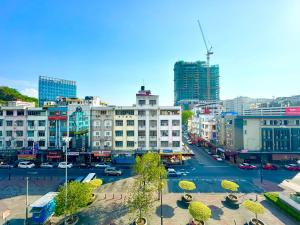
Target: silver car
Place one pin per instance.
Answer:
(112, 171)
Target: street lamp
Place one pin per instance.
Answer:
(66, 139)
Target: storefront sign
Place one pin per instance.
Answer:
(26, 156)
(73, 153)
(166, 151)
(292, 111)
(101, 153)
(53, 155)
(57, 117)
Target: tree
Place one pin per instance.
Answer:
(150, 176)
(186, 115)
(254, 207)
(10, 94)
(79, 195)
(199, 211)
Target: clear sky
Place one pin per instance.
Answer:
(111, 47)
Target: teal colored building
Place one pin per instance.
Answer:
(190, 82)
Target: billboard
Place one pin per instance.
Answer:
(292, 111)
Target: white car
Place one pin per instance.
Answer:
(46, 165)
(63, 165)
(102, 165)
(26, 165)
(219, 159)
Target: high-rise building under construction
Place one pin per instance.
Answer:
(191, 83)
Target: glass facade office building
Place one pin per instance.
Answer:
(190, 81)
(51, 88)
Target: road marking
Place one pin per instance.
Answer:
(217, 166)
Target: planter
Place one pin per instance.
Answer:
(232, 201)
(187, 198)
(72, 220)
(142, 221)
(256, 222)
(196, 222)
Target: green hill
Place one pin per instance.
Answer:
(10, 94)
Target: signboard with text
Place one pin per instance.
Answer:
(292, 111)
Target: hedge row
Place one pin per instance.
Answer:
(274, 197)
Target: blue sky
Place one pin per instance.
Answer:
(111, 47)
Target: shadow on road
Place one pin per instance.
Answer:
(181, 204)
(167, 211)
(15, 222)
(216, 212)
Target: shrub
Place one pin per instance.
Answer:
(95, 183)
(199, 211)
(274, 197)
(187, 185)
(229, 185)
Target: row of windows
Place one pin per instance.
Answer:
(20, 144)
(142, 144)
(281, 122)
(143, 102)
(20, 123)
(153, 123)
(20, 133)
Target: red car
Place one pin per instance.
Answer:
(270, 167)
(293, 167)
(246, 166)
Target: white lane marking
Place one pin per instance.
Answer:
(217, 166)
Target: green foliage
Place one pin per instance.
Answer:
(199, 211)
(10, 94)
(274, 197)
(79, 195)
(229, 185)
(254, 207)
(186, 114)
(187, 185)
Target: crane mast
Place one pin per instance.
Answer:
(208, 53)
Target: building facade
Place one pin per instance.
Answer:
(190, 82)
(51, 88)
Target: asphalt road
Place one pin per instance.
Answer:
(202, 169)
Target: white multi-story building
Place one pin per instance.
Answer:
(22, 127)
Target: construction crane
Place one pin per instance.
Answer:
(208, 53)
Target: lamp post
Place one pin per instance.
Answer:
(26, 216)
(66, 139)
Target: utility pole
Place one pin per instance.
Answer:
(26, 216)
(66, 140)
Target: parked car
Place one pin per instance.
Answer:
(102, 165)
(26, 164)
(5, 165)
(63, 165)
(46, 165)
(293, 167)
(112, 171)
(189, 142)
(269, 166)
(172, 173)
(247, 166)
(217, 157)
(85, 166)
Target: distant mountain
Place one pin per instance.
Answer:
(11, 94)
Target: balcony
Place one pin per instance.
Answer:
(142, 127)
(153, 138)
(142, 138)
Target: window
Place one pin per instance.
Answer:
(0, 143)
(0, 133)
(42, 143)
(30, 123)
(285, 122)
(176, 133)
(142, 113)
(9, 123)
(1, 123)
(9, 112)
(1, 113)
(9, 133)
(52, 133)
(153, 144)
(97, 123)
(97, 133)
(119, 143)
(41, 133)
(142, 102)
(176, 143)
(30, 133)
(8, 143)
(97, 143)
(125, 112)
(141, 133)
(19, 144)
(107, 133)
(119, 133)
(164, 133)
(164, 122)
(152, 102)
(42, 123)
(130, 143)
(142, 123)
(19, 123)
(108, 123)
(175, 122)
(130, 122)
(107, 144)
(20, 112)
(130, 133)
(141, 144)
(153, 133)
(297, 122)
(153, 112)
(119, 122)
(19, 133)
(164, 144)
(153, 123)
